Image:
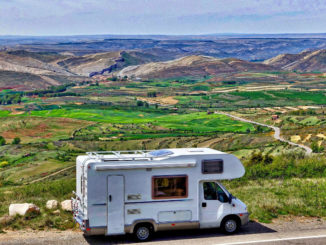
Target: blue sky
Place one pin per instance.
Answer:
(63, 17)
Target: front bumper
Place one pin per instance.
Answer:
(244, 217)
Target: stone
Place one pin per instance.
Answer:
(23, 209)
(5, 219)
(56, 211)
(52, 204)
(66, 205)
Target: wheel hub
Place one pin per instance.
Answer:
(142, 233)
(230, 226)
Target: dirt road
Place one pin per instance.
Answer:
(277, 131)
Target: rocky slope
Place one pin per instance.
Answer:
(191, 66)
(34, 63)
(307, 61)
(92, 63)
(33, 70)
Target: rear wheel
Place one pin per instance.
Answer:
(230, 225)
(143, 232)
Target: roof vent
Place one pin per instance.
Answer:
(195, 150)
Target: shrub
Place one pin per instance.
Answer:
(2, 141)
(16, 141)
(3, 164)
(316, 148)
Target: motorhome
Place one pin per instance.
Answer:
(141, 192)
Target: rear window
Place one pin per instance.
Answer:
(212, 166)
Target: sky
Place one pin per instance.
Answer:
(176, 17)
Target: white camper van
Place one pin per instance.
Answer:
(141, 192)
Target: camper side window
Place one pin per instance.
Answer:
(166, 187)
(212, 166)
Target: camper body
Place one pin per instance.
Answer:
(141, 192)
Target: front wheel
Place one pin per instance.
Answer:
(230, 225)
(143, 232)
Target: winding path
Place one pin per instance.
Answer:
(277, 131)
(50, 175)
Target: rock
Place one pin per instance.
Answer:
(56, 211)
(4, 220)
(23, 209)
(51, 204)
(66, 205)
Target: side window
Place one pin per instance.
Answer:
(212, 191)
(212, 166)
(166, 187)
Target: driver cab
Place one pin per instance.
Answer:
(215, 204)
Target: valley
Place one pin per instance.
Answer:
(63, 99)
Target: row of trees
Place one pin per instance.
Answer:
(50, 90)
(8, 99)
(53, 91)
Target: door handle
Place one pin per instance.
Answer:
(204, 204)
(110, 198)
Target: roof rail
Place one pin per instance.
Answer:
(121, 155)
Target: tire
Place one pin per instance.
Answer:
(230, 225)
(143, 232)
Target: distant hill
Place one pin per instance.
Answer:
(33, 70)
(192, 66)
(29, 62)
(246, 47)
(307, 61)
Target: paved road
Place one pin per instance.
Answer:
(277, 131)
(254, 233)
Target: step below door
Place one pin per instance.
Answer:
(115, 205)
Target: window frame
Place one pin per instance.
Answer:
(211, 160)
(168, 176)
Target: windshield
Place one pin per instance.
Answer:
(224, 189)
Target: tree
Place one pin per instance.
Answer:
(140, 103)
(151, 94)
(255, 158)
(2, 140)
(16, 141)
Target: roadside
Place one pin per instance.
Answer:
(282, 228)
(277, 131)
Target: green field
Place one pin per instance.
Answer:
(243, 99)
(195, 122)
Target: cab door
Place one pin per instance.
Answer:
(214, 204)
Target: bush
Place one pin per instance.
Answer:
(16, 141)
(3, 164)
(316, 148)
(284, 166)
(2, 141)
(140, 103)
